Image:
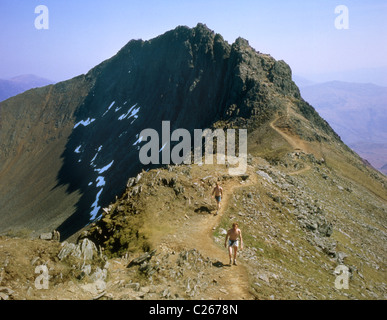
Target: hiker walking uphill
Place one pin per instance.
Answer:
(233, 236)
(218, 191)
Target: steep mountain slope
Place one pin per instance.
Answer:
(34, 129)
(76, 143)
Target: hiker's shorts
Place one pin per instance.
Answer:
(218, 198)
(233, 243)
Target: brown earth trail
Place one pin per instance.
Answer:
(295, 142)
(197, 232)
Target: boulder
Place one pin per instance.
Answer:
(265, 176)
(85, 250)
(5, 293)
(140, 260)
(54, 235)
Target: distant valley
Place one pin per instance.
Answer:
(13, 86)
(357, 112)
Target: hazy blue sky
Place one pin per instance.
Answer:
(83, 33)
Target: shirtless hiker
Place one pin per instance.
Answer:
(218, 191)
(233, 236)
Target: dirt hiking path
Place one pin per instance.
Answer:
(296, 143)
(197, 232)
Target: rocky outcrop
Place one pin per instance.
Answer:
(54, 236)
(85, 250)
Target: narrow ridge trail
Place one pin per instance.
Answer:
(197, 232)
(296, 143)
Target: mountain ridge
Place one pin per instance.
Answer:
(306, 204)
(227, 86)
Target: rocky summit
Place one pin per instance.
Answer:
(307, 205)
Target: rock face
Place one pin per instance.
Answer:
(85, 250)
(67, 150)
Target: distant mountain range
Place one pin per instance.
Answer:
(376, 76)
(356, 111)
(12, 87)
